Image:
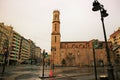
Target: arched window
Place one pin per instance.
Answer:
(55, 17)
(55, 27)
(55, 39)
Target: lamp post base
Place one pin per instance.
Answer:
(110, 73)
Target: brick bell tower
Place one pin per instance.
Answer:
(55, 39)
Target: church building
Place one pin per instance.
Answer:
(73, 53)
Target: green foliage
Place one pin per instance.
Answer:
(97, 45)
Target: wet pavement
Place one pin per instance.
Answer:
(33, 72)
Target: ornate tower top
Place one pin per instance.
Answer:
(56, 14)
(56, 11)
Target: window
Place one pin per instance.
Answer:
(55, 27)
(55, 39)
(55, 17)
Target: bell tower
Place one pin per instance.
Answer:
(55, 38)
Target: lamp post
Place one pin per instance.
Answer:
(53, 50)
(94, 46)
(97, 6)
(43, 63)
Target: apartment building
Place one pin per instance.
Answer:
(32, 50)
(115, 39)
(24, 54)
(15, 48)
(35, 52)
(20, 49)
(5, 39)
(38, 54)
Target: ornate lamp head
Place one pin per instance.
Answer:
(104, 13)
(96, 6)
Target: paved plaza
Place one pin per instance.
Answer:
(33, 72)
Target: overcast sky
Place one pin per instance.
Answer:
(33, 19)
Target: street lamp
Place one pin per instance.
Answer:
(53, 49)
(96, 7)
(94, 45)
(43, 61)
